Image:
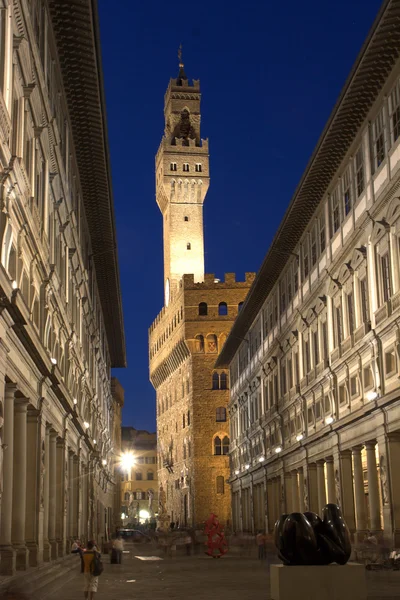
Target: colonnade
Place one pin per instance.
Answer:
(363, 479)
(45, 487)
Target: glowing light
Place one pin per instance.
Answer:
(86, 425)
(261, 459)
(237, 472)
(127, 461)
(75, 401)
(94, 441)
(104, 462)
(247, 466)
(299, 437)
(372, 396)
(144, 514)
(329, 420)
(14, 285)
(53, 360)
(278, 449)
(123, 516)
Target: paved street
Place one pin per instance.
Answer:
(197, 577)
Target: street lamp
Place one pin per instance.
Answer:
(127, 461)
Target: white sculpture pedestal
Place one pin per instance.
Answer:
(331, 582)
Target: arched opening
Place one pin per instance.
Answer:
(240, 306)
(222, 309)
(203, 309)
(217, 446)
(223, 381)
(225, 446)
(199, 343)
(215, 381)
(212, 345)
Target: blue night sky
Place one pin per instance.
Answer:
(270, 75)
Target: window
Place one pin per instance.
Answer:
(364, 300)
(368, 379)
(150, 476)
(316, 347)
(240, 306)
(359, 168)
(220, 484)
(378, 139)
(215, 381)
(327, 405)
(183, 421)
(12, 262)
(394, 112)
(223, 381)
(203, 310)
(318, 411)
(188, 418)
(335, 212)
(188, 246)
(306, 265)
(338, 325)
(310, 416)
(186, 219)
(313, 243)
(222, 309)
(347, 192)
(390, 362)
(290, 372)
(306, 364)
(184, 451)
(220, 416)
(354, 386)
(199, 342)
(350, 311)
(322, 233)
(172, 166)
(283, 377)
(199, 168)
(138, 476)
(386, 287)
(225, 446)
(342, 394)
(217, 446)
(325, 340)
(186, 167)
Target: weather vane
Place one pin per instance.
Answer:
(180, 55)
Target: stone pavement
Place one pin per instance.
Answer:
(197, 577)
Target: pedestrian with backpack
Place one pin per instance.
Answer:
(92, 568)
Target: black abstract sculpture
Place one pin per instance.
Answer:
(306, 539)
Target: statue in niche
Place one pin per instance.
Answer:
(150, 496)
(337, 487)
(384, 481)
(305, 494)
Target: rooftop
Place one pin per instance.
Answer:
(374, 63)
(77, 35)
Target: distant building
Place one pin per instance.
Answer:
(185, 338)
(314, 356)
(61, 325)
(139, 488)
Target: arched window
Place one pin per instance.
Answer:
(7, 241)
(215, 381)
(220, 416)
(138, 476)
(223, 381)
(212, 345)
(150, 476)
(222, 309)
(12, 263)
(225, 446)
(240, 306)
(203, 311)
(217, 446)
(220, 484)
(199, 343)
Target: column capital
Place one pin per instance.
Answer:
(320, 463)
(329, 459)
(53, 433)
(345, 453)
(21, 404)
(370, 445)
(357, 449)
(10, 390)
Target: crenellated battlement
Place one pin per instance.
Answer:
(211, 282)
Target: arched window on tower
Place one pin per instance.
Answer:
(212, 345)
(240, 306)
(203, 309)
(217, 446)
(223, 381)
(199, 343)
(215, 381)
(225, 446)
(222, 309)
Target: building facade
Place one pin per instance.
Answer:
(61, 327)
(139, 487)
(185, 338)
(315, 395)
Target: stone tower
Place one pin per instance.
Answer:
(182, 179)
(186, 337)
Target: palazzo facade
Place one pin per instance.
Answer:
(314, 355)
(61, 327)
(185, 338)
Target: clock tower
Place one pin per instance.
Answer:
(182, 180)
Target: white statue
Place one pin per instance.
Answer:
(150, 495)
(384, 481)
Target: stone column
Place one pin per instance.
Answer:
(347, 490)
(373, 488)
(321, 485)
(330, 480)
(70, 497)
(313, 502)
(301, 491)
(53, 493)
(34, 488)
(8, 555)
(46, 497)
(61, 499)
(390, 482)
(295, 492)
(359, 494)
(19, 483)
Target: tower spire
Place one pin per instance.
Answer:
(182, 74)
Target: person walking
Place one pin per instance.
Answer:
(118, 548)
(91, 581)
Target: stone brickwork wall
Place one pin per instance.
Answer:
(181, 369)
